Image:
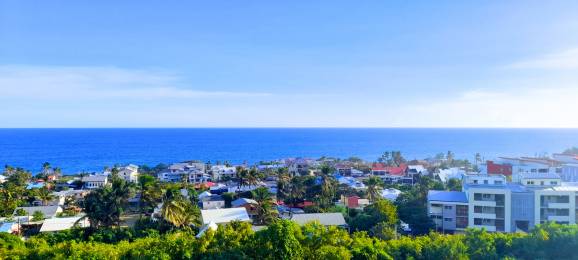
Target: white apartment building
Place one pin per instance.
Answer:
(499, 206)
(191, 172)
(221, 171)
(526, 165)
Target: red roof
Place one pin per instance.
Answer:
(391, 170)
(494, 168)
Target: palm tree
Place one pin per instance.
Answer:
(44, 195)
(283, 183)
(297, 190)
(450, 157)
(374, 185)
(478, 158)
(266, 212)
(45, 167)
(178, 211)
(240, 175)
(327, 187)
(253, 177)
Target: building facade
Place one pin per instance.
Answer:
(500, 206)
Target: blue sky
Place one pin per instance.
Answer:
(288, 64)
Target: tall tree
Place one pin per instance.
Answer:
(266, 212)
(374, 185)
(178, 211)
(328, 187)
(44, 195)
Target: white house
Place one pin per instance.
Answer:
(95, 181)
(190, 171)
(221, 171)
(128, 173)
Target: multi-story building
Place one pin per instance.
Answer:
(527, 165)
(299, 166)
(448, 210)
(191, 172)
(128, 173)
(489, 201)
(497, 205)
(222, 171)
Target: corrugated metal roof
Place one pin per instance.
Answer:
(224, 215)
(58, 224)
(327, 219)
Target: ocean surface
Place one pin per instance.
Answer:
(76, 150)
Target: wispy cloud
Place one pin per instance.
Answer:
(93, 83)
(567, 59)
(529, 107)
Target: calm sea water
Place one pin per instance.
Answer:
(76, 150)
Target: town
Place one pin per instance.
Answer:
(388, 199)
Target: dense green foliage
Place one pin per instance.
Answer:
(285, 240)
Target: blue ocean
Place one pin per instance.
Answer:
(77, 150)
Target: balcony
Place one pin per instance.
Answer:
(485, 215)
(559, 218)
(555, 205)
(488, 203)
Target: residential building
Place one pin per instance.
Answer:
(569, 172)
(191, 172)
(60, 224)
(392, 174)
(448, 210)
(299, 166)
(444, 175)
(128, 173)
(529, 165)
(565, 158)
(344, 168)
(417, 169)
(223, 216)
(501, 206)
(490, 167)
(213, 202)
(326, 219)
(220, 172)
(95, 181)
(249, 204)
(47, 211)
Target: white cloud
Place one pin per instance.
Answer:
(567, 59)
(99, 83)
(528, 107)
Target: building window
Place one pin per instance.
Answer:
(554, 183)
(447, 207)
(485, 181)
(461, 222)
(542, 183)
(475, 181)
(448, 219)
(477, 221)
(498, 182)
(461, 210)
